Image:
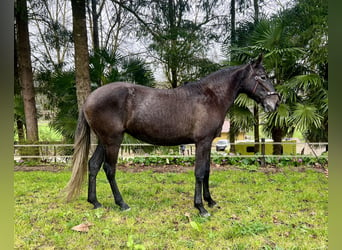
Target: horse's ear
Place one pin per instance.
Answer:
(256, 62)
(259, 59)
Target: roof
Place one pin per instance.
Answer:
(225, 126)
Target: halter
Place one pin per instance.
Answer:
(258, 80)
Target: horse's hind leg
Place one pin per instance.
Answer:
(95, 163)
(109, 167)
(202, 161)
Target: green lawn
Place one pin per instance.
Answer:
(46, 133)
(256, 210)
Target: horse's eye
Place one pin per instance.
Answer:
(263, 77)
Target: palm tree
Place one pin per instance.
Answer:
(304, 96)
(237, 38)
(241, 117)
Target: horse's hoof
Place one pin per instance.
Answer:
(98, 205)
(125, 207)
(212, 204)
(205, 214)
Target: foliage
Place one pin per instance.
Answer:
(176, 41)
(177, 35)
(136, 70)
(19, 108)
(284, 210)
(48, 134)
(103, 67)
(291, 50)
(250, 163)
(240, 113)
(59, 86)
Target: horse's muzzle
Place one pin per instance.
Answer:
(271, 102)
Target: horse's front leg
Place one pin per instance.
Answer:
(206, 192)
(201, 163)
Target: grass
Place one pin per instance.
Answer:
(45, 132)
(256, 210)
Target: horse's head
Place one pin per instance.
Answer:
(259, 87)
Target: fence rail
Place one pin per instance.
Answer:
(63, 152)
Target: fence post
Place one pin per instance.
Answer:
(262, 159)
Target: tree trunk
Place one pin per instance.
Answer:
(174, 80)
(256, 107)
(17, 91)
(256, 10)
(232, 135)
(173, 33)
(81, 51)
(20, 130)
(256, 128)
(95, 16)
(25, 71)
(277, 135)
(232, 22)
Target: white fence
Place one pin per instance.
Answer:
(63, 152)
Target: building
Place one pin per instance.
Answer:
(225, 133)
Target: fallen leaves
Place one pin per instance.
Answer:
(195, 225)
(84, 227)
(234, 217)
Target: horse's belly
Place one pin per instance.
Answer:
(161, 133)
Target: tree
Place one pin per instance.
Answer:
(306, 90)
(232, 22)
(95, 23)
(300, 107)
(19, 114)
(136, 70)
(241, 117)
(81, 51)
(256, 106)
(176, 40)
(295, 46)
(52, 41)
(280, 57)
(236, 39)
(309, 19)
(60, 89)
(25, 71)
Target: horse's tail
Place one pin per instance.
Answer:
(79, 158)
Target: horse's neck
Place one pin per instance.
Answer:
(226, 88)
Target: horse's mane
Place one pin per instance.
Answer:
(211, 78)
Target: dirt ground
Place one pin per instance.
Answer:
(134, 168)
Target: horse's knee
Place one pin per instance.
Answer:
(109, 169)
(200, 176)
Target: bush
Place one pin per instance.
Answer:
(250, 163)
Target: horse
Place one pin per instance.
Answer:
(191, 113)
